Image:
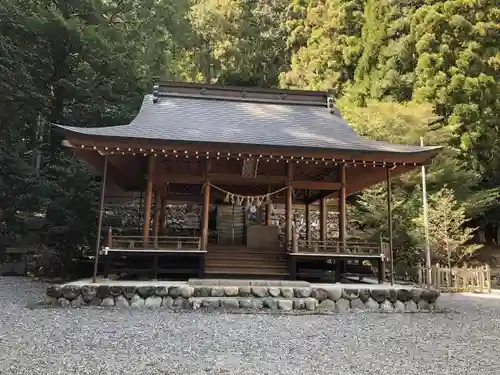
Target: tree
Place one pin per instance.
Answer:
(448, 234)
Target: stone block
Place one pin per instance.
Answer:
(357, 305)
(350, 294)
(88, 292)
(311, 304)
(299, 304)
(287, 292)
(153, 301)
(217, 291)
(259, 291)
(231, 291)
(399, 307)
(146, 291)
(411, 306)
(429, 295)
(404, 295)
(121, 302)
(270, 303)
(364, 294)
(180, 303)
(327, 305)
(415, 294)
(303, 292)
(274, 291)
(195, 303)
(161, 291)
(251, 303)
(137, 302)
(379, 295)
(63, 302)
(115, 290)
(54, 291)
(103, 291)
(342, 306)
(187, 291)
(387, 306)
(393, 295)
(174, 291)
(70, 292)
(129, 291)
(244, 291)
(371, 305)
(319, 293)
(168, 302)
(108, 302)
(200, 292)
(211, 303)
(229, 303)
(77, 302)
(285, 304)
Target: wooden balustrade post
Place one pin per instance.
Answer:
(342, 220)
(323, 214)
(110, 237)
(156, 218)
(308, 224)
(206, 215)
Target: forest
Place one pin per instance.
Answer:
(399, 70)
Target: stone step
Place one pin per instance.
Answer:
(236, 282)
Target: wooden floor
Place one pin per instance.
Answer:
(241, 261)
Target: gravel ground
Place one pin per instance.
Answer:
(93, 341)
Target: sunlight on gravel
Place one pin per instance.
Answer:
(96, 341)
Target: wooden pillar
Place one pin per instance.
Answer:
(99, 221)
(288, 205)
(268, 214)
(205, 215)
(389, 219)
(156, 218)
(148, 199)
(342, 205)
(308, 223)
(323, 213)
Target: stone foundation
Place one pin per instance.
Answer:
(249, 297)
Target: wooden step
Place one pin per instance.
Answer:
(258, 272)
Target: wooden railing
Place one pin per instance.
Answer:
(156, 243)
(335, 247)
(464, 279)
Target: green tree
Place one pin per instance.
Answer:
(448, 233)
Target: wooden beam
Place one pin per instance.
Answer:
(316, 185)
(148, 200)
(233, 179)
(219, 178)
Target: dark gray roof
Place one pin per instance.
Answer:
(193, 119)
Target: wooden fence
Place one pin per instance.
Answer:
(464, 279)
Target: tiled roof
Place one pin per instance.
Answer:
(207, 120)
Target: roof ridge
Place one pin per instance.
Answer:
(247, 94)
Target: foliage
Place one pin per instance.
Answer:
(448, 233)
(400, 70)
